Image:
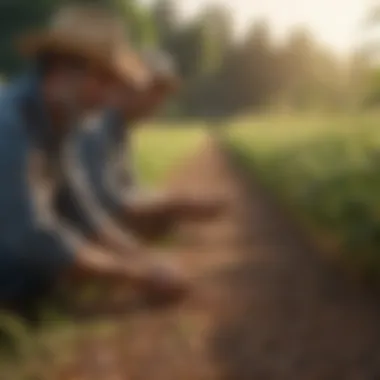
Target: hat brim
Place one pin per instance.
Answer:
(33, 44)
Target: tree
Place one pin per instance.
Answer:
(139, 22)
(215, 26)
(255, 67)
(16, 18)
(166, 21)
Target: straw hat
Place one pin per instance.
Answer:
(162, 69)
(92, 33)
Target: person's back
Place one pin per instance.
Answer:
(24, 274)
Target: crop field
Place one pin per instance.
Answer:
(326, 170)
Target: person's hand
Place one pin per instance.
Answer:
(198, 206)
(164, 284)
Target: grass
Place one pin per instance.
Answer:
(327, 170)
(159, 150)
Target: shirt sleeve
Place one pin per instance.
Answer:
(124, 175)
(119, 189)
(110, 177)
(97, 218)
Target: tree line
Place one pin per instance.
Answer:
(222, 75)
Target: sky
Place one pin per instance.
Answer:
(335, 22)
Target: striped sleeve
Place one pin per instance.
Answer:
(95, 215)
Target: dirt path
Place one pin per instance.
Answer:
(265, 308)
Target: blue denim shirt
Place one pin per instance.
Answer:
(34, 245)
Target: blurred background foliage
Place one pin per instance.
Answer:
(224, 74)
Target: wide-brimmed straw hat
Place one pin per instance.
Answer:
(91, 33)
(162, 69)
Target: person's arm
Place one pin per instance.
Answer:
(150, 212)
(117, 186)
(126, 175)
(98, 219)
(29, 227)
(140, 271)
(111, 180)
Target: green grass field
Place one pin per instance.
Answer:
(327, 171)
